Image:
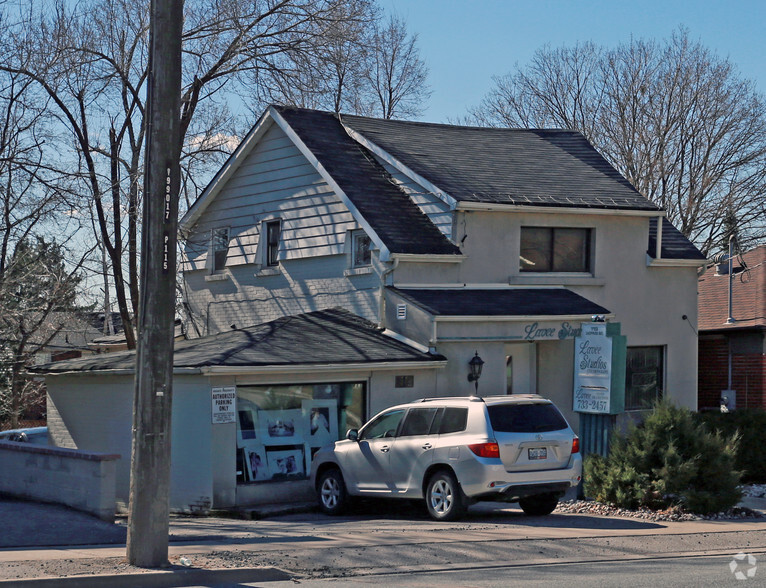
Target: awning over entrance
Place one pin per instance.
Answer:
(511, 302)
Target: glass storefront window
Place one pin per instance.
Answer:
(279, 428)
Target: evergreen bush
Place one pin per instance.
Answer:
(670, 459)
(750, 425)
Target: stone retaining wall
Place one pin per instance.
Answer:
(81, 480)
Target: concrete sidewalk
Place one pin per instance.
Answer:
(34, 533)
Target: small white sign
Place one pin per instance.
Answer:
(224, 405)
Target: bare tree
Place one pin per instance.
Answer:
(675, 119)
(36, 284)
(395, 72)
(90, 60)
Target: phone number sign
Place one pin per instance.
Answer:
(592, 369)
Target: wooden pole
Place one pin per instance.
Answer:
(147, 544)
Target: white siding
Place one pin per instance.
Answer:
(274, 181)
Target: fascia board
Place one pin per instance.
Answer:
(429, 258)
(385, 254)
(226, 171)
(394, 162)
(666, 262)
(498, 207)
(517, 318)
(320, 368)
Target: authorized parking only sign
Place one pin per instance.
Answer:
(224, 405)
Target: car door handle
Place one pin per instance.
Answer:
(427, 446)
(384, 449)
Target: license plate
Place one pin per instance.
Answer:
(538, 453)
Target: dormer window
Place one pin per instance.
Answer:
(272, 230)
(220, 247)
(555, 249)
(360, 249)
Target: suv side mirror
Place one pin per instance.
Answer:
(352, 435)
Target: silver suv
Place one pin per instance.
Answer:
(453, 452)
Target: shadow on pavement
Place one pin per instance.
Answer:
(33, 524)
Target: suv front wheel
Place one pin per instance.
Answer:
(444, 498)
(540, 505)
(332, 492)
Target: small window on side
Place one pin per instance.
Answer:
(220, 247)
(360, 249)
(450, 420)
(272, 230)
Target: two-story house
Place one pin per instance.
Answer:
(337, 265)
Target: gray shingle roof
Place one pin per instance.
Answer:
(333, 336)
(397, 220)
(506, 166)
(674, 244)
(508, 302)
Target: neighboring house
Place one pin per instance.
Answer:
(449, 241)
(732, 347)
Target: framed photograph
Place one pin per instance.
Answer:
(256, 464)
(284, 463)
(321, 417)
(247, 425)
(281, 427)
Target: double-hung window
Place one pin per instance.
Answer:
(555, 249)
(272, 230)
(220, 246)
(360, 249)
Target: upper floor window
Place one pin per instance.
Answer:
(272, 231)
(554, 249)
(220, 248)
(360, 249)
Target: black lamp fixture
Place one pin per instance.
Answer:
(475, 366)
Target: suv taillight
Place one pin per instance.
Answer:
(576, 445)
(485, 449)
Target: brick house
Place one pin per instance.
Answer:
(733, 348)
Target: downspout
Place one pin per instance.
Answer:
(382, 300)
(658, 244)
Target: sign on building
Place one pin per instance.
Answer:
(593, 370)
(224, 405)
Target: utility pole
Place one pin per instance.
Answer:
(148, 522)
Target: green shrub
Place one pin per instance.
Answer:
(750, 425)
(669, 460)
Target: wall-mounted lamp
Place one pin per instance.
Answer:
(598, 318)
(475, 366)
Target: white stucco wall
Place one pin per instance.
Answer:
(94, 413)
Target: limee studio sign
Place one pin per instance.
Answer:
(592, 369)
(546, 331)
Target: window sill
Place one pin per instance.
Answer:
(556, 279)
(358, 271)
(268, 271)
(223, 276)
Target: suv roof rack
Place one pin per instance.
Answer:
(464, 398)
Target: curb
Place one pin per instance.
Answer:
(159, 579)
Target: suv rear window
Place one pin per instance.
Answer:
(525, 418)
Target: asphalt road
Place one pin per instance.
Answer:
(400, 545)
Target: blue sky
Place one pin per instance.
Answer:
(466, 42)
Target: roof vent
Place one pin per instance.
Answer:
(401, 312)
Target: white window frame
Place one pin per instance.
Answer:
(215, 267)
(356, 237)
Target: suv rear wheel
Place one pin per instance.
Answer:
(444, 498)
(540, 505)
(333, 498)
